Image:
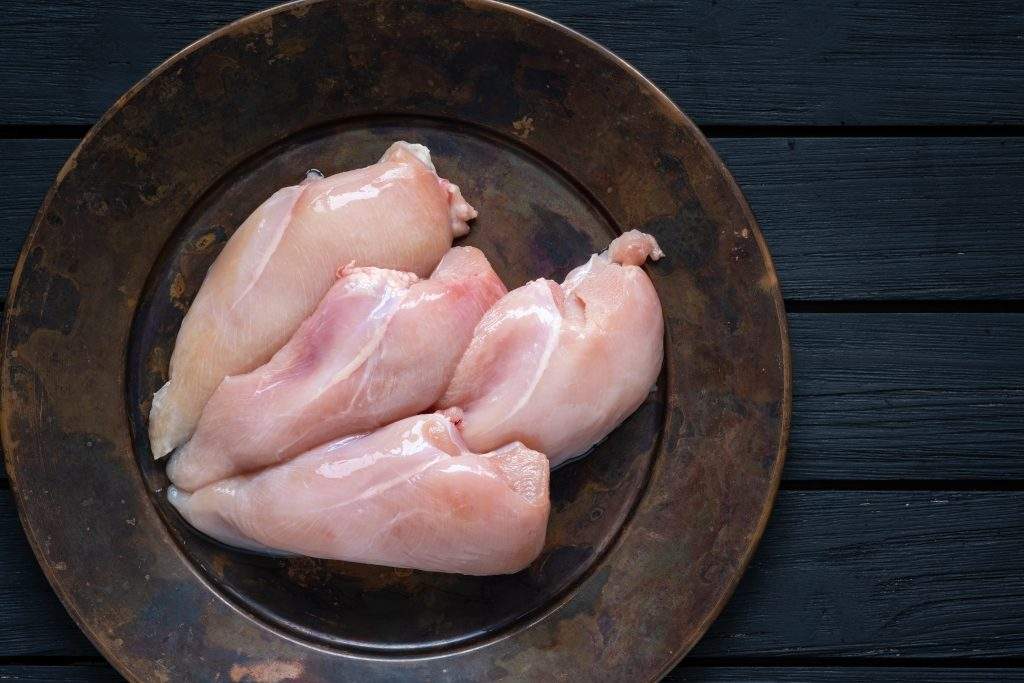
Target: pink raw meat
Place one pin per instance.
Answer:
(558, 367)
(408, 495)
(277, 266)
(382, 345)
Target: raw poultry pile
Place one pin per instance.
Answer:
(347, 385)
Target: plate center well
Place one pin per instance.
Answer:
(534, 222)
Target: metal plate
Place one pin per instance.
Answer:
(560, 146)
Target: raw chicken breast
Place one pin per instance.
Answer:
(272, 272)
(408, 495)
(379, 347)
(559, 367)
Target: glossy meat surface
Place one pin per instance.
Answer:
(558, 367)
(408, 495)
(395, 214)
(381, 345)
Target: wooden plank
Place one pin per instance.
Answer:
(907, 396)
(731, 62)
(32, 621)
(67, 62)
(903, 218)
(836, 674)
(881, 574)
(76, 673)
(839, 574)
(888, 218)
(27, 172)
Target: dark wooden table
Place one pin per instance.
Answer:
(881, 145)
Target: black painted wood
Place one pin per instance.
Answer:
(840, 674)
(888, 218)
(846, 219)
(907, 396)
(26, 173)
(838, 574)
(881, 574)
(32, 620)
(725, 62)
(74, 673)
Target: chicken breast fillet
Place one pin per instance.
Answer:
(277, 266)
(381, 345)
(558, 367)
(408, 495)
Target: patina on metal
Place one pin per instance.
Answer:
(560, 146)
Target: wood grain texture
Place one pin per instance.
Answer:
(838, 574)
(881, 574)
(26, 174)
(859, 674)
(729, 62)
(845, 219)
(76, 673)
(32, 620)
(907, 395)
(888, 218)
